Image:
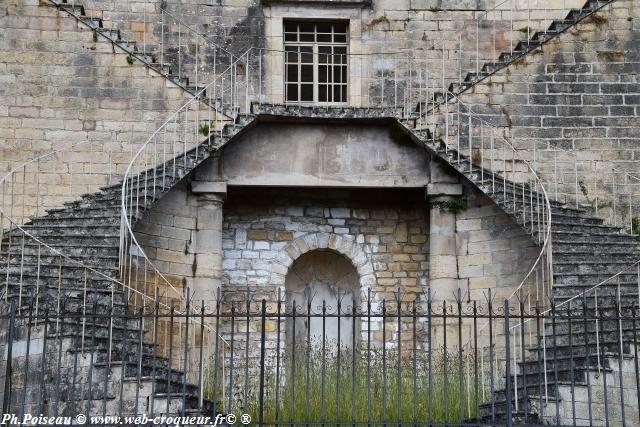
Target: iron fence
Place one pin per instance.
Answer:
(373, 362)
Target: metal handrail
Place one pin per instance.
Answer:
(546, 244)
(14, 224)
(127, 229)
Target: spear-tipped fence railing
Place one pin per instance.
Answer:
(394, 363)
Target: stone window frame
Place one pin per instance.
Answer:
(276, 13)
(309, 55)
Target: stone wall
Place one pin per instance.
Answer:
(64, 85)
(493, 251)
(579, 92)
(417, 28)
(261, 238)
(167, 235)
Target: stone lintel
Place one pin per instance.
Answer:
(209, 187)
(444, 189)
(361, 3)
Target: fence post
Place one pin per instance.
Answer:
(262, 353)
(507, 368)
(7, 375)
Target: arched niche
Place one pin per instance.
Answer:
(322, 278)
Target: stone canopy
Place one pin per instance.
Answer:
(345, 154)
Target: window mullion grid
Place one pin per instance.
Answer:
(334, 91)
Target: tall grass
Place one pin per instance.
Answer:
(375, 386)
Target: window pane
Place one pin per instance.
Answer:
(340, 38)
(306, 73)
(292, 92)
(344, 75)
(324, 38)
(307, 32)
(307, 37)
(290, 37)
(292, 57)
(306, 58)
(344, 93)
(324, 28)
(340, 27)
(337, 93)
(324, 54)
(307, 27)
(322, 74)
(290, 27)
(292, 73)
(337, 74)
(306, 93)
(322, 93)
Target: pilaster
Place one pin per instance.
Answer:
(208, 241)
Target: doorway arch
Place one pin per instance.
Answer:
(323, 278)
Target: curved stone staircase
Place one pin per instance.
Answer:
(116, 360)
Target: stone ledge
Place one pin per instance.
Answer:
(444, 189)
(361, 3)
(199, 187)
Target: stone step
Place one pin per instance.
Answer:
(75, 240)
(73, 220)
(24, 258)
(557, 215)
(607, 333)
(561, 291)
(175, 402)
(607, 295)
(162, 67)
(93, 210)
(586, 280)
(31, 248)
(592, 256)
(586, 246)
(526, 201)
(67, 280)
(74, 9)
(595, 238)
(131, 369)
(92, 21)
(161, 174)
(66, 269)
(583, 352)
(585, 266)
(113, 34)
(71, 229)
(561, 225)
